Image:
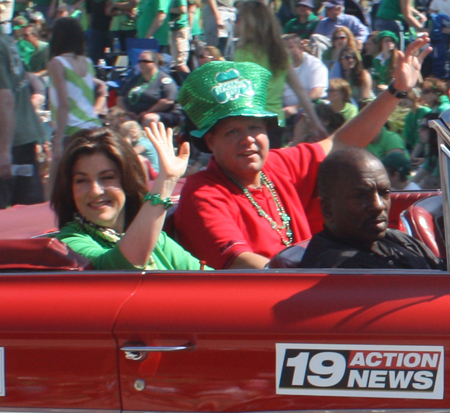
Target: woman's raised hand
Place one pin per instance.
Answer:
(170, 164)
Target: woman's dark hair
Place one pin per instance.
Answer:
(67, 37)
(357, 71)
(88, 142)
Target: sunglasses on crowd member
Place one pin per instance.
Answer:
(339, 37)
(349, 57)
(145, 61)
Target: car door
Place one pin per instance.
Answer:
(285, 340)
(57, 350)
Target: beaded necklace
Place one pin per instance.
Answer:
(135, 94)
(285, 218)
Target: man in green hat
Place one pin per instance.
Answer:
(250, 202)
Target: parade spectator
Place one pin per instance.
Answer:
(99, 36)
(37, 63)
(398, 168)
(260, 42)
(306, 21)
(371, 50)
(336, 17)
(384, 64)
(342, 37)
(123, 25)
(219, 18)
(250, 203)
(413, 120)
(339, 95)
(71, 89)
(149, 96)
(207, 54)
(20, 130)
(394, 15)
(311, 73)
(354, 73)
(179, 34)
(387, 142)
(434, 94)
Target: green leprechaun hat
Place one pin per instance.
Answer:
(218, 90)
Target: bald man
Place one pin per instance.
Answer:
(354, 189)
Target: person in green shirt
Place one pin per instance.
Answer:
(306, 21)
(104, 210)
(37, 63)
(383, 65)
(122, 24)
(387, 142)
(153, 22)
(339, 95)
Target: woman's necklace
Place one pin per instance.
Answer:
(285, 218)
(135, 94)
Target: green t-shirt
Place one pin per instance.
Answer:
(349, 111)
(147, 11)
(167, 255)
(178, 21)
(411, 128)
(275, 87)
(380, 71)
(196, 29)
(390, 10)
(304, 30)
(28, 127)
(386, 142)
(39, 58)
(443, 105)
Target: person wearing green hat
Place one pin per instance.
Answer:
(251, 202)
(383, 65)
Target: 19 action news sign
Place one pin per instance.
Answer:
(411, 372)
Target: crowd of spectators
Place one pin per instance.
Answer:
(327, 61)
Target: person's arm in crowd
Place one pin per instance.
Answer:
(215, 10)
(364, 127)
(156, 23)
(408, 15)
(305, 102)
(101, 97)
(7, 124)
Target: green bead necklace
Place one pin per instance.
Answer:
(285, 218)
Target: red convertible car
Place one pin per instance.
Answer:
(77, 340)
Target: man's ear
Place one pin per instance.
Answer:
(209, 139)
(327, 210)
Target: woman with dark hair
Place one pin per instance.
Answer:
(109, 216)
(354, 73)
(428, 175)
(341, 37)
(71, 89)
(260, 42)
